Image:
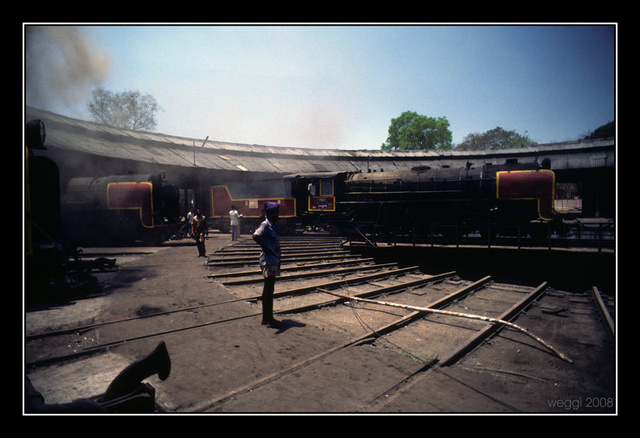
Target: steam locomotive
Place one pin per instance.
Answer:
(249, 198)
(106, 210)
(491, 199)
(120, 209)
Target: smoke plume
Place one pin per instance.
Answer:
(61, 66)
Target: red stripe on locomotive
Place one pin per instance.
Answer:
(221, 202)
(131, 196)
(529, 184)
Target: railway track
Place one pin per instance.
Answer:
(390, 317)
(594, 234)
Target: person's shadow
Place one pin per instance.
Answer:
(286, 324)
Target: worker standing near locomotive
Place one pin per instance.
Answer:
(234, 216)
(267, 237)
(199, 231)
(190, 222)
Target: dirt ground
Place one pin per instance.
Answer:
(244, 367)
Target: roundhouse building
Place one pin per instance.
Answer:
(86, 149)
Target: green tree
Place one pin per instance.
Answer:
(607, 130)
(412, 131)
(128, 110)
(496, 138)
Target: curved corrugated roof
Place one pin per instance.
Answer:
(76, 135)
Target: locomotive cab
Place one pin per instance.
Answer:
(320, 195)
(316, 194)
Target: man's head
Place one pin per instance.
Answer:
(272, 210)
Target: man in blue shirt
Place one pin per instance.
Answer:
(267, 237)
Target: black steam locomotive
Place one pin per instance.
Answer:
(103, 210)
(510, 198)
(120, 209)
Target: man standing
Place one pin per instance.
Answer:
(267, 237)
(234, 216)
(199, 231)
(190, 222)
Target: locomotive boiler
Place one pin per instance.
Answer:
(120, 209)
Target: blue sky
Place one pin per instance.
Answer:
(338, 87)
